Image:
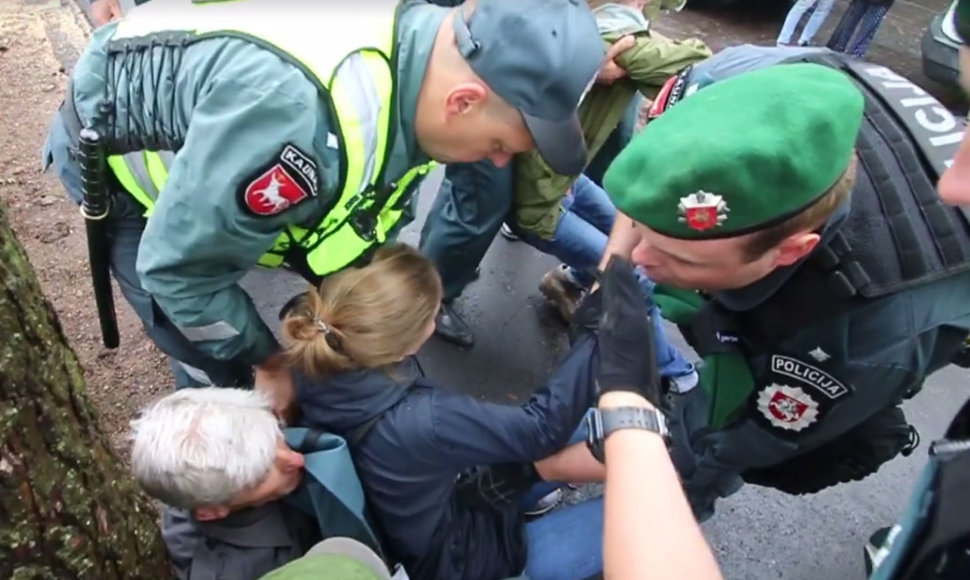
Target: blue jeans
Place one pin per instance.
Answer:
(858, 27)
(821, 11)
(566, 544)
(579, 242)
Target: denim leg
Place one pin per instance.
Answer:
(576, 242)
(190, 366)
(467, 214)
(815, 22)
(566, 544)
(591, 203)
(792, 20)
(868, 27)
(844, 30)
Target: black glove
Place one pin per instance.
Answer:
(627, 351)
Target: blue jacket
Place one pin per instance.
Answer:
(410, 460)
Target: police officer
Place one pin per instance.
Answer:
(255, 132)
(832, 278)
(933, 538)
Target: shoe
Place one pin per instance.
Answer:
(559, 289)
(451, 327)
(508, 234)
(545, 504)
(877, 548)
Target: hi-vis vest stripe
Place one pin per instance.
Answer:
(347, 53)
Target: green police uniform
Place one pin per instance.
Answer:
(804, 369)
(244, 139)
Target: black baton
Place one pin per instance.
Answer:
(95, 207)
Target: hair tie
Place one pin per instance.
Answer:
(323, 326)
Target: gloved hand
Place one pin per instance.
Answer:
(627, 347)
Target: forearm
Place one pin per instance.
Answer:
(623, 238)
(573, 464)
(649, 530)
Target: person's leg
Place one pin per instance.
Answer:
(815, 22)
(869, 25)
(566, 544)
(191, 367)
(469, 210)
(846, 27)
(792, 20)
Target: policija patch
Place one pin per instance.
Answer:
(290, 179)
(798, 395)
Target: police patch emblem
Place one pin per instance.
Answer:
(702, 210)
(291, 179)
(788, 408)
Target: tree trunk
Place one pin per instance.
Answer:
(68, 508)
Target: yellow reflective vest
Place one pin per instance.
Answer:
(353, 65)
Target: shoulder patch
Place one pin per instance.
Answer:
(787, 408)
(290, 179)
(797, 396)
(808, 374)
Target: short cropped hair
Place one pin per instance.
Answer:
(201, 447)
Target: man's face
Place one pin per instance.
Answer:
(954, 185)
(281, 480)
(471, 130)
(710, 265)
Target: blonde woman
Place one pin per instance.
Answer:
(421, 455)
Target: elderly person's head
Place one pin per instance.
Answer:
(212, 451)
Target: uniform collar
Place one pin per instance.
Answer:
(417, 29)
(753, 295)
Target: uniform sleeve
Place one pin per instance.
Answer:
(470, 432)
(813, 390)
(245, 171)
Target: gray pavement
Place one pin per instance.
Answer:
(758, 534)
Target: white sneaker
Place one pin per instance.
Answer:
(546, 503)
(508, 234)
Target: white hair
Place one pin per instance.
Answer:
(201, 447)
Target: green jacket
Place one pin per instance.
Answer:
(650, 62)
(228, 107)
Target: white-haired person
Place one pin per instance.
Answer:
(218, 460)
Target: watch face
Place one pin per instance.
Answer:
(594, 434)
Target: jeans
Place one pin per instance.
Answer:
(566, 544)
(819, 14)
(858, 27)
(579, 242)
(191, 366)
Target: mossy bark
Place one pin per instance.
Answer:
(68, 508)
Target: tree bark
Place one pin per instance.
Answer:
(68, 508)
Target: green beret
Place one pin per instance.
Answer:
(740, 155)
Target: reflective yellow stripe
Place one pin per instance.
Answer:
(128, 181)
(157, 170)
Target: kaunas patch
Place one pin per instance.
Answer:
(290, 179)
(797, 396)
(670, 94)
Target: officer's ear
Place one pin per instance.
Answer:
(464, 98)
(795, 247)
(211, 514)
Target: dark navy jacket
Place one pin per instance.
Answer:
(410, 460)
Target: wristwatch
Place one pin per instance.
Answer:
(600, 424)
